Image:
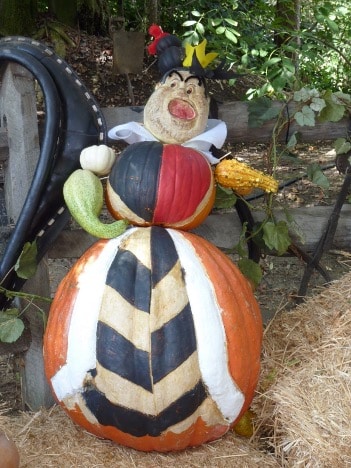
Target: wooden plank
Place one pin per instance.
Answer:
(223, 230)
(4, 149)
(71, 244)
(19, 111)
(235, 115)
(35, 389)
(120, 115)
(18, 104)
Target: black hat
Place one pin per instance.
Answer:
(172, 55)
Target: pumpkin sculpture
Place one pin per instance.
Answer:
(153, 340)
(154, 336)
(156, 184)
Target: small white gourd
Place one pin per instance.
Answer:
(98, 159)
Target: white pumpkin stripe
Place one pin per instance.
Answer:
(209, 329)
(81, 353)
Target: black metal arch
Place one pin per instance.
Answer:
(73, 121)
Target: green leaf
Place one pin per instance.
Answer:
(316, 175)
(281, 81)
(289, 65)
(215, 21)
(294, 226)
(276, 236)
(26, 265)
(230, 36)
(200, 28)
(196, 13)
(225, 198)
(272, 61)
(189, 23)
(305, 117)
(292, 141)
(342, 146)
(257, 235)
(8, 313)
(261, 110)
(332, 26)
(342, 98)
(220, 30)
(317, 104)
(251, 270)
(334, 109)
(305, 94)
(11, 327)
(231, 21)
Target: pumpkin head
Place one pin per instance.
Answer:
(178, 108)
(156, 184)
(146, 346)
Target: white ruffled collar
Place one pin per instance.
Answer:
(215, 134)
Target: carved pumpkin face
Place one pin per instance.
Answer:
(144, 345)
(178, 108)
(166, 185)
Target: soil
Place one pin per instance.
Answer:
(92, 60)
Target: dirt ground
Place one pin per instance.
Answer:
(92, 59)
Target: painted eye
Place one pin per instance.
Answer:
(189, 90)
(173, 84)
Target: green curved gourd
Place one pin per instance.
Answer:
(84, 197)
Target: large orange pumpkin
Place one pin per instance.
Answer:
(153, 340)
(165, 185)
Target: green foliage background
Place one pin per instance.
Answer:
(255, 36)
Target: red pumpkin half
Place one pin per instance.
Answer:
(153, 340)
(156, 184)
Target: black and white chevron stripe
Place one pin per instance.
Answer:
(159, 363)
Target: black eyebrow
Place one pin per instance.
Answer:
(199, 78)
(170, 73)
(176, 72)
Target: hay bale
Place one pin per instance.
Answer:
(302, 405)
(303, 410)
(50, 438)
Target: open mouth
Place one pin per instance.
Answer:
(181, 109)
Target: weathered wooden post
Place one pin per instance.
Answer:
(18, 114)
(128, 52)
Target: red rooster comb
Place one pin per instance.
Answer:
(157, 33)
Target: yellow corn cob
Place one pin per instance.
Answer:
(242, 178)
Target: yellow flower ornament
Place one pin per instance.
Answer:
(200, 53)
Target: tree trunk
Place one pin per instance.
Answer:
(153, 8)
(65, 11)
(17, 17)
(91, 15)
(287, 20)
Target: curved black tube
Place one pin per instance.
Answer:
(73, 121)
(51, 130)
